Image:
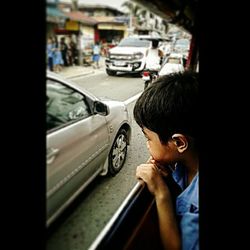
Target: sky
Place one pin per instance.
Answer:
(113, 3)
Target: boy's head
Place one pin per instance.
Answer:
(170, 106)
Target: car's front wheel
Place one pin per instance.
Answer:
(118, 152)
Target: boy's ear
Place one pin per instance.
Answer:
(180, 141)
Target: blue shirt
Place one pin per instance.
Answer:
(96, 50)
(187, 209)
(50, 50)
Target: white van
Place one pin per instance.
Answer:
(128, 56)
(173, 63)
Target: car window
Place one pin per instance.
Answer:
(64, 105)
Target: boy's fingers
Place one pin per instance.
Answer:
(149, 159)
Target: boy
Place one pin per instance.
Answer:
(96, 55)
(167, 112)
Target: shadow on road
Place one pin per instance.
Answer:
(128, 75)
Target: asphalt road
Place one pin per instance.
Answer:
(120, 87)
(80, 224)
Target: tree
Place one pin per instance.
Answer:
(132, 7)
(134, 10)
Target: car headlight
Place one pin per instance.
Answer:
(138, 55)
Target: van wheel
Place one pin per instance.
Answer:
(111, 72)
(118, 152)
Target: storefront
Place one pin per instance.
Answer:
(110, 29)
(111, 32)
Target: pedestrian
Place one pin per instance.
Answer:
(96, 55)
(154, 57)
(50, 53)
(167, 112)
(57, 60)
(72, 52)
(64, 51)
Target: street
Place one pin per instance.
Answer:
(80, 224)
(120, 87)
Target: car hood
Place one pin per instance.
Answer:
(111, 102)
(127, 50)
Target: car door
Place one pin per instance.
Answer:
(77, 144)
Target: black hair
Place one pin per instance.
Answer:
(155, 43)
(170, 105)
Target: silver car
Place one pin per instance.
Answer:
(86, 137)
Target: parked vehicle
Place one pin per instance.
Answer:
(128, 56)
(86, 137)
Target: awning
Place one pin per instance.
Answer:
(54, 15)
(108, 26)
(52, 11)
(80, 17)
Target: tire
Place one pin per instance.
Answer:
(118, 152)
(110, 72)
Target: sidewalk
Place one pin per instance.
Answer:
(75, 71)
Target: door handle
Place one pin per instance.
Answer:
(51, 154)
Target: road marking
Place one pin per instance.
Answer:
(133, 98)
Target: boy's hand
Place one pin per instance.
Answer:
(163, 170)
(153, 176)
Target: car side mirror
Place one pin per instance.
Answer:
(100, 108)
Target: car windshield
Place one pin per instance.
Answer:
(133, 42)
